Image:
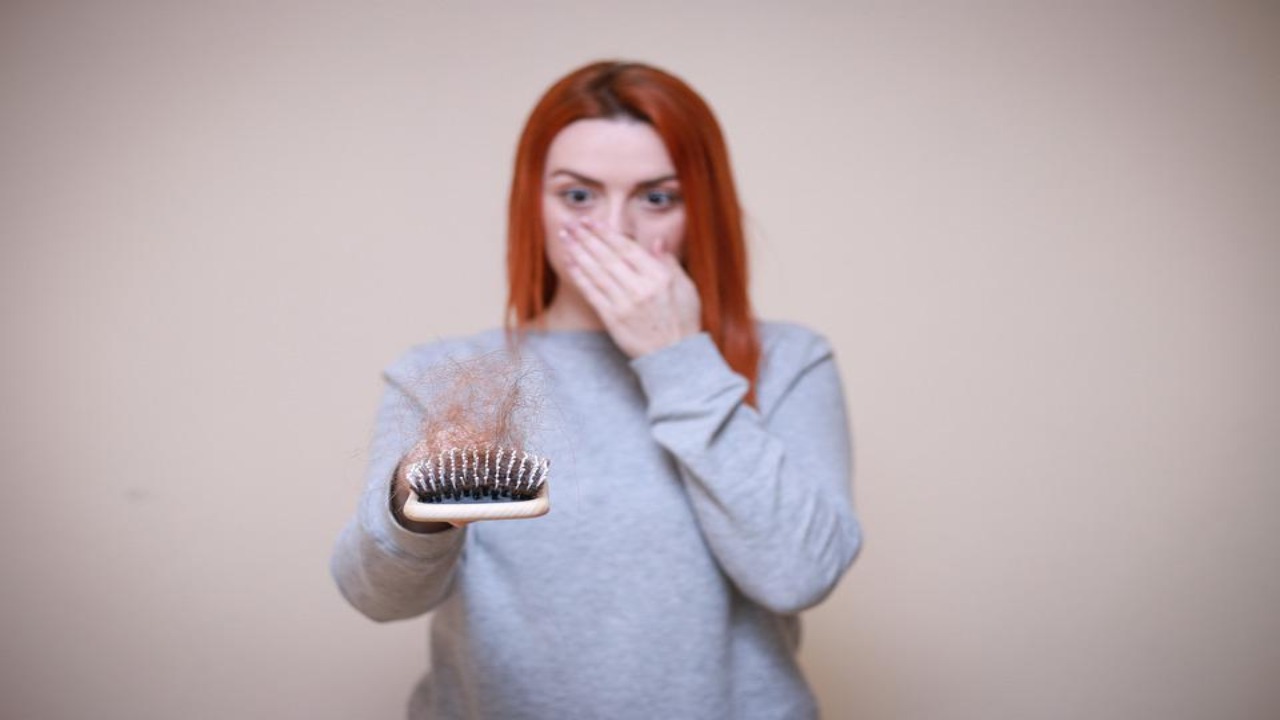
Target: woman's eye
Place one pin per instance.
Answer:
(660, 198)
(576, 196)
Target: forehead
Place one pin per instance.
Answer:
(618, 150)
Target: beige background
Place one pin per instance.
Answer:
(1044, 238)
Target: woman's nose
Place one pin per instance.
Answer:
(618, 217)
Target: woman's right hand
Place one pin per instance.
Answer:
(401, 490)
(458, 434)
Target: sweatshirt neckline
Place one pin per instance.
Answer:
(577, 338)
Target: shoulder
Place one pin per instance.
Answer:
(788, 351)
(786, 345)
(422, 359)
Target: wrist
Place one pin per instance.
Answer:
(669, 342)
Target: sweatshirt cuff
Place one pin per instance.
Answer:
(685, 372)
(398, 540)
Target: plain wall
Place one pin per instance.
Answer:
(1044, 239)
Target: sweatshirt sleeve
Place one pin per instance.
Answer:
(384, 570)
(772, 493)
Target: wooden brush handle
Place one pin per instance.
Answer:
(464, 511)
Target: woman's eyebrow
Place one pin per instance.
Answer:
(592, 181)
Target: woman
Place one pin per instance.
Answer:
(701, 477)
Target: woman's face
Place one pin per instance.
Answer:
(618, 173)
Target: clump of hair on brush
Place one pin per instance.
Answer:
(472, 461)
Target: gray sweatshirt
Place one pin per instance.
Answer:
(687, 530)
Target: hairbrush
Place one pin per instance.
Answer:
(477, 482)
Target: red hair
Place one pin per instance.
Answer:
(715, 254)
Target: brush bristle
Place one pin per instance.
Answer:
(478, 474)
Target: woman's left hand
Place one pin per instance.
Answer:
(644, 297)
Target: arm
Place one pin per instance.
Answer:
(385, 570)
(771, 494)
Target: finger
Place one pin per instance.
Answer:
(597, 284)
(590, 290)
(673, 264)
(618, 278)
(664, 251)
(626, 248)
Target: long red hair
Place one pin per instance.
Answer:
(715, 254)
